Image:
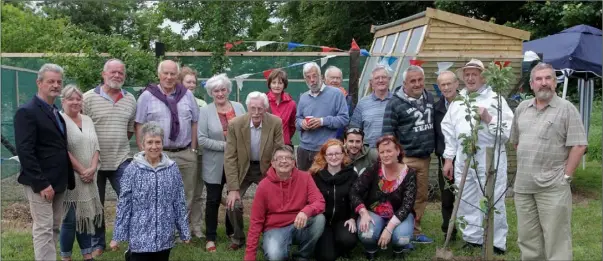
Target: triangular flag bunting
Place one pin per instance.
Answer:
(437, 90)
(355, 45)
(416, 62)
(324, 60)
(240, 79)
(443, 66)
(267, 73)
(228, 46)
(391, 60)
(260, 44)
(364, 52)
(291, 46)
(326, 49)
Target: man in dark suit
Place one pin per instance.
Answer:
(46, 171)
(448, 84)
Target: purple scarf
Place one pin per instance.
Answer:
(172, 104)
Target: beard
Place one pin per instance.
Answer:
(114, 85)
(314, 88)
(544, 94)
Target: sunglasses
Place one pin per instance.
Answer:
(354, 131)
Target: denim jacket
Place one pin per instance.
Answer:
(151, 206)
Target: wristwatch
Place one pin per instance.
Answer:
(567, 178)
(194, 150)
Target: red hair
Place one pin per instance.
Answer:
(320, 161)
(387, 139)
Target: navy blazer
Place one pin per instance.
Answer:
(42, 148)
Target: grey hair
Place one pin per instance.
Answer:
(69, 90)
(106, 66)
(542, 66)
(257, 95)
(153, 129)
(309, 66)
(217, 81)
(412, 68)
(49, 67)
(381, 67)
(160, 66)
(454, 78)
(331, 69)
(285, 148)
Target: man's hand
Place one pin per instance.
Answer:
(384, 238)
(304, 125)
(484, 114)
(232, 198)
(47, 193)
(114, 246)
(300, 220)
(447, 170)
(314, 123)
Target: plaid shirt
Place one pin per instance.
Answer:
(544, 139)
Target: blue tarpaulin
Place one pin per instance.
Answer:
(578, 48)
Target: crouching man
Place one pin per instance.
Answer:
(287, 208)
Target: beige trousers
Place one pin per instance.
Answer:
(421, 165)
(187, 164)
(196, 220)
(544, 223)
(47, 217)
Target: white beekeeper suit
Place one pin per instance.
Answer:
(453, 125)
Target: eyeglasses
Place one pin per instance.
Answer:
(282, 158)
(333, 155)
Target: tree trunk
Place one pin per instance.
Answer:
(488, 247)
(354, 75)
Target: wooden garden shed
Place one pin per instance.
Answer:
(437, 36)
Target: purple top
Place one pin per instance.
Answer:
(149, 108)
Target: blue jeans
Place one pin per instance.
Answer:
(277, 241)
(68, 235)
(400, 238)
(98, 240)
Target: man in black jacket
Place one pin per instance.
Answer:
(448, 84)
(46, 172)
(409, 117)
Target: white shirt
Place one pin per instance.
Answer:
(256, 137)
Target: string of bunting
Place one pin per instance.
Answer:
(293, 45)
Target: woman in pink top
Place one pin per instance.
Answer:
(281, 103)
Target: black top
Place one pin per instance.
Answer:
(366, 191)
(336, 191)
(440, 111)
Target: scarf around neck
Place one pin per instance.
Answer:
(172, 104)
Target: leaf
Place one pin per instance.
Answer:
(467, 118)
(483, 205)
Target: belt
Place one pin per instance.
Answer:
(175, 150)
(254, 162)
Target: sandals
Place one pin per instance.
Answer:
(210, 247)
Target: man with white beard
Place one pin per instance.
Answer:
(112, 110)
(550, 140)
(453, 125)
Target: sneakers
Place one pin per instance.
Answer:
(422, 239)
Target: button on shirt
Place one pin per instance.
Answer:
(368, 116)
(544, 138)
(256, 137)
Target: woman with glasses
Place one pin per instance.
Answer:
(384, 197)
(334, 177)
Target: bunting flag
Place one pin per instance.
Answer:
(267, 73)
(355, 46)
(291, 46)
(260, 44)
(437, 90)
(326, 49)
(364, 52)
(228, 46)
(443, 66)
(239, 80)
(388, 60)
(416, 62)
(203, 84)
(324, 60)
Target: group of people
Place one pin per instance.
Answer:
(359, 174)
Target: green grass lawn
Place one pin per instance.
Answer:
(586, 230)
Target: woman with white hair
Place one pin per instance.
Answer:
(83, 209)
(151, 203)
(212, 130)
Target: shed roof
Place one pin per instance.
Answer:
(459, 20)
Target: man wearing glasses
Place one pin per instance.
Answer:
(251, 139)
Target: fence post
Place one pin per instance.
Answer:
(354, 74)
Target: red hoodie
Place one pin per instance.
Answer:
(277, 203)
(285, 110)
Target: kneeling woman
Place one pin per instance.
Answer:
(151, 204)
(384, 196)
(334, 177)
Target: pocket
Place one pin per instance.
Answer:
(545, 130)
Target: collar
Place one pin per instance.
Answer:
(251, 124)
(553, 103)
(322, 88)
(387, 97)
(48, 105)
(411, 98)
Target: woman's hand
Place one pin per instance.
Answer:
(384, 239)
(365, 220)
(114, 246)
(351, 224)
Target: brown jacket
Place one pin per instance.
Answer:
(237, 154)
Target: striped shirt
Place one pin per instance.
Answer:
(368, 116)
(112, 121)
(544, 139)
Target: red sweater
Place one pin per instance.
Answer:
(285, 110)
(277, 203)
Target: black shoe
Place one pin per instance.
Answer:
(498, 251)
(370, 256)
(452, 236)
(471, 245)
(398, 256)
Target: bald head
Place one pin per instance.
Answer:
(448, 84)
